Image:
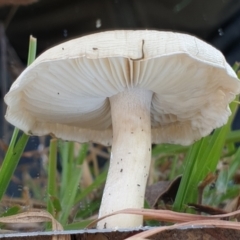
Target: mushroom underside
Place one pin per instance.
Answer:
(189, 99)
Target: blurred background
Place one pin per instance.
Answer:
(54, 21)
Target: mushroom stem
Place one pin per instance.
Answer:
(130, 158)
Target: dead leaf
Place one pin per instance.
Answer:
(207, 209)
(200, 223)
(167, 215)
(35, 216)
(165, 190)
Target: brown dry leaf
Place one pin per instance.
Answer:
(207, 209)
(165, 190)
(167, 215)
(9, 202)
(137, 238)
(233, 205)
(161, 215)
(35, 216)
(184, 220)
(3, 145)
(201, 223)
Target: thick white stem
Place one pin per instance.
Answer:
(130, 158)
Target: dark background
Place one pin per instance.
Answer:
(55, 21)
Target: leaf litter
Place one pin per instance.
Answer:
(36, 216)
(182, 220)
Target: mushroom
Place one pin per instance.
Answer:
(127, 89)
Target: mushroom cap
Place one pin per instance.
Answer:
(66, 90)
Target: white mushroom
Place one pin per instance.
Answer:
(126, 89)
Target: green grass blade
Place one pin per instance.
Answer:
(10, 163)
(202, 159)
(82, 153)
(187, 183)
(233, 137)
(77, 225)
(89, 209)
(16, 147)
(52, 174)
(100, 179)
(67, 156)
(70, 192)
(68, 197)
(236, 66)
(168, 149)
(12, 211)
(13, 139)
(235, 164)
(32, 50)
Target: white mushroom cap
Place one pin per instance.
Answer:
(128, 89)
(66, 90)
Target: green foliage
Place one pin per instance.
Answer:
(201, 159)
(73, 176)
(17, 143)
(11, 211)
(68, 201)
(52, 173)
